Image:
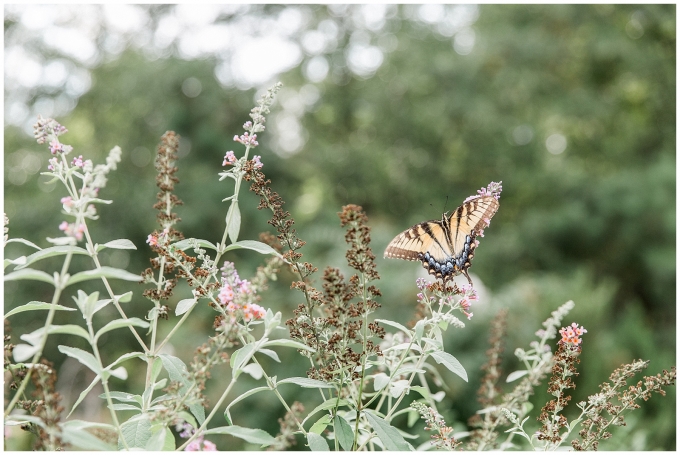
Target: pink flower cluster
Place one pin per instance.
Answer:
(57, 147)
(571, 334)
(186, 431)
(78, 161)
(469, 296)
(247, 139)
(72, 230)
(237, 295)
(195, 446)
(46, 127)
(258, 163)
(493, 189)
(229, 158)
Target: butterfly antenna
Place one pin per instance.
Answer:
(446, 203)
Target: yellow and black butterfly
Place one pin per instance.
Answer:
(446, 247)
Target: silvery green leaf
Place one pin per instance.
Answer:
(254, 370)
(186, 243)
(419, 329)
(24, 241)
(24, 352)
(184, 305)
(270, 353)
(103, 272)
(254, 245)
(516, 375)
(398, 387)
(83, 439)
(451, 363)
(321, 424)
(288, 343)
(390, 436)
(83, 394)
(252, 435)
(120, 244)
(380, 380)
(306, 382)
(234, 221)
(317, 443)
(81, 356)
(29, 274)
(343, 433)
(396, 325)
(241, 397)
(50, 252)
(120, 373)
(136, 432)
(35, 305)
(177, 371)
(120, 323)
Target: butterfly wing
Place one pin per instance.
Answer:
(445, 247)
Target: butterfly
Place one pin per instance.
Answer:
(446, 247)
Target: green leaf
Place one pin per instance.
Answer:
(306, 382)
(157, 440)
(390, 436)
(317, 443)
(119, 323)
(81, 356)
(241, 356)
(234, 221)
(396, 325)
(252, 435)
(186, 243)
(254, 245)
(50, 252)
(29, 274)
(70, 329)
(24, 241)
(343, 433)
(270, 353)
(124, 397)
(103, 272)
(321, 424)
(124, 357)
(328, 404)
(120, 244)
(288, 343)
(177, 371)
(136, 432)
(419, 329)
(124, 407)
(125, 297)
(35, 305)
(241, 397)
(380, 380)
(451, 363)
(81, 438)
(515, 375)
(184, 305)
(83, 394)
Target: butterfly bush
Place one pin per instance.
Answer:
(367, 370)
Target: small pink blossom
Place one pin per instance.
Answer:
(209, 446)
(258, 163)
(194, 446)
(55, 146)
(67, 201)
(152, 240)
(229, 158)
(226, 294)
(78, 161)
(248, 125)
(571, 334)
(247, 139)
(64, 226)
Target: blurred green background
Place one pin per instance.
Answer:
(403, 110)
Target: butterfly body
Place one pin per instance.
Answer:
(446, 247)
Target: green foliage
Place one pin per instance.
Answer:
(594, 223)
